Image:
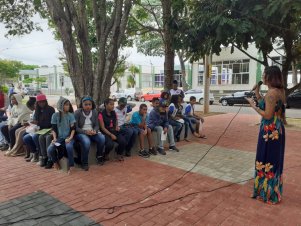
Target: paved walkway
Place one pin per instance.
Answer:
(195, 199)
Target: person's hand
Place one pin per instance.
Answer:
(251, 102)
(165, 130)
(88, 132)
(26, 124)
(68, 140)
(117, 128)
(93, 132)
(255, 87)
(202, 120)
(54, 140)
(113, 137)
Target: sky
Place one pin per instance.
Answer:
(40, 48)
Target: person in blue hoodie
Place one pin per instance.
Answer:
(158, 121)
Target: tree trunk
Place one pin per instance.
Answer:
(168, 48)
(183, 69)
(295, 74)
(71, 20)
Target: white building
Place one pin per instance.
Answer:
(56, 80)
(234, 72)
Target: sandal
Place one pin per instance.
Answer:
(186, 139)
(203, 137)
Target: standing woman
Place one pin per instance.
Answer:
(271, 140)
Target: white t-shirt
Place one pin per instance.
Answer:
(121, 115)
(176, 92)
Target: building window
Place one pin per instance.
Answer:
(230, 72)
(159, 80)
(201, 78)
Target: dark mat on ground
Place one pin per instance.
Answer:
(40, 208)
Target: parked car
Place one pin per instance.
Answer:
(294, 100)
(199, 95)
(150, 95)
(33, 92)
(236, 98)
(130, 93)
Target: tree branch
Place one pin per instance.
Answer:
(275, 61)
(148, 28)
(254, 58)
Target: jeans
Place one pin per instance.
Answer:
(9, 134)
(2, 138)
(109, 144)
(188, 123)
(130, 135)
(85, 142)
(55, 153)
(170, 134)
(44, 142)
(32, 141)
(177, 127)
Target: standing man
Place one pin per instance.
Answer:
(175, 89)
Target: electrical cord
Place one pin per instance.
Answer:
(112, 209)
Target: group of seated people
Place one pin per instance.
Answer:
(45, 136)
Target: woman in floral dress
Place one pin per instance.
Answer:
(271, 140)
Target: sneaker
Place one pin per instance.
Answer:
(4, 147)
(29, 158)
(100, 160)
(35, 157)
(143, 153)
(85, 167)
(161, 151)
(49, 164)
(152, 151)
(128, 154)
(174, 148)
(44, 161)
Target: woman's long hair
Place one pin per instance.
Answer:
(273, 77)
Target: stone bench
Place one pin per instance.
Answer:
(92, 153)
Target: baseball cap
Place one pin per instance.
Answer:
(122, 101)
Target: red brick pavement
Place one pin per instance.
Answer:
(120, 183)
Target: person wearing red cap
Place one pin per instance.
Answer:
(36, 143)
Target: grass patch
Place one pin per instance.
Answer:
(293, 123)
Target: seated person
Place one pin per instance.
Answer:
(158, 121)
(138, 121)
(194, 119)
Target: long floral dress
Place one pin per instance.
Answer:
(270, 156)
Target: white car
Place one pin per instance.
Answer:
(199, 95)
(130, 93)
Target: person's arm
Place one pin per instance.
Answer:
(77, 118)
(96, 122)
(270, 102)
(72, 127)
(54, 132)
(256, 91)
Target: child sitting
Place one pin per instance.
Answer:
(138, 121)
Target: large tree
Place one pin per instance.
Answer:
(91, 31)
(268, 24)
(159, 34)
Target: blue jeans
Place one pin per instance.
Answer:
(55, 153)
(188, 123)
(177, 127)
(32, 141)
(85, 142)
(2, 138)
(130, 135)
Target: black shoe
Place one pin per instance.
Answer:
(128, 154)
(143, 153)
(85, 167)
(153, 151)
(49, 164)
(44, 161)
(100, 160)
(161, 151)
(177, 139)
(174, 148)
(31, 156)
(4, 147)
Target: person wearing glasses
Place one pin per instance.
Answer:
(87, 131)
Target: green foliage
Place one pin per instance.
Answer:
(28, 67)
(28, 80)
(9, 69)
(4, 89)
(131, 82)
(17, 16)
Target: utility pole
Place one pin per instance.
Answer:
(207, 70)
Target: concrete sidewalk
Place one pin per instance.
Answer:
(205, 202)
